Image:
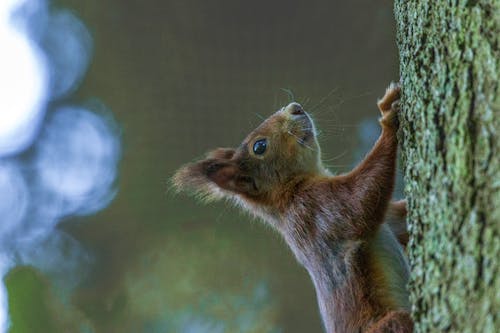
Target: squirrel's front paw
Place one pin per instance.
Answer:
(389, 105)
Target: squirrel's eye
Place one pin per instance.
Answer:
(259, 147)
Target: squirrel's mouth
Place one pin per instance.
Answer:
(303, 129)
(308, 135)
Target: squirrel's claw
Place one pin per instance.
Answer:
(389, 104)
(392, 95)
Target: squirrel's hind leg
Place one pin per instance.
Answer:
(393, 322)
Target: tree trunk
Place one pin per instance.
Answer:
(449, 62)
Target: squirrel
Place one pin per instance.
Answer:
(343, 229)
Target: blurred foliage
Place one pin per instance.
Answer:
(35, 307)
(28, 301)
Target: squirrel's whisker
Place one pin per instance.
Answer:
(300, 141)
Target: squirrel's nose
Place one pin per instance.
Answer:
(294, 109)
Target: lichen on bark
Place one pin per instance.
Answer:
(449, 64)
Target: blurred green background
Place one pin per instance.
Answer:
(183, 77)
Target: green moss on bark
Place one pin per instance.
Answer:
(450, 63)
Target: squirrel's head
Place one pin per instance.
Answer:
(281, 149)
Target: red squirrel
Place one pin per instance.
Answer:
(335, 225)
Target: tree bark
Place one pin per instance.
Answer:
(450, 63)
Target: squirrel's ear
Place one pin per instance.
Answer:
(228, 176)
(210, 177)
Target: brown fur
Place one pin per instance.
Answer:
(333, 224)
(394, 321)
